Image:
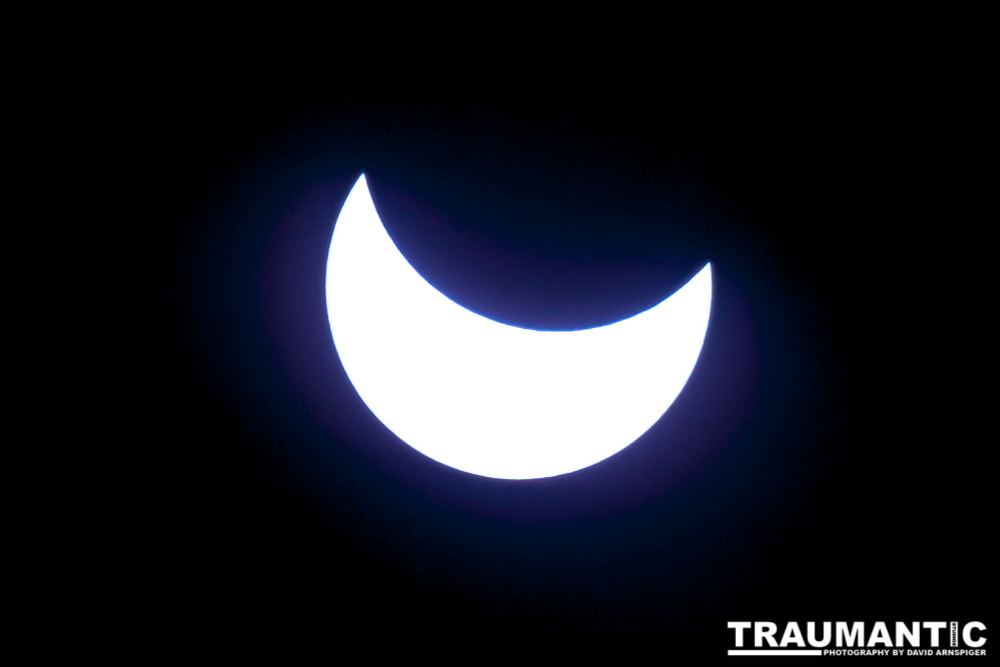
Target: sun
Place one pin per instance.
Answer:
(488, 398)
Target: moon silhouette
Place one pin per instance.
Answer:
(488, 398)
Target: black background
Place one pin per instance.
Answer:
(821, 463)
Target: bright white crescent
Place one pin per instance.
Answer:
(489, 398)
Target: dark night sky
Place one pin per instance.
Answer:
(819, 465)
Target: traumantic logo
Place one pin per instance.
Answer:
(844, 638)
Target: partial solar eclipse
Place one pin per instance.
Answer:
(489, 398)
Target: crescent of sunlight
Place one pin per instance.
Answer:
(489, 398)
